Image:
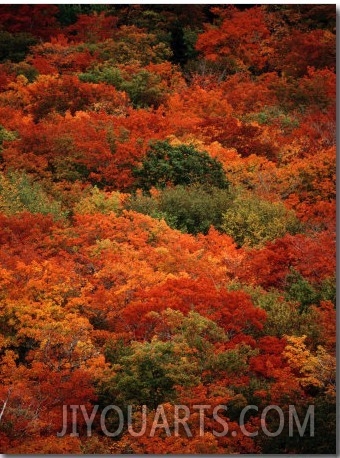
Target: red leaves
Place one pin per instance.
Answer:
(239, 41)
(59, 56)
(38, 20)
(262, 101)
(312, 256)
(233, 311)
(300, 50)
(270, 357)
(92, 28)
(60, 94)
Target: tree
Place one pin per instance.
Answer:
(178, 165)
(253, 222)
(60, 56)
(18, 193)
(92, 28)
(38, 20)
(194, 208)
(51, 93)
(14, 47)
(300, 50)
(239, 41)
(213, 281)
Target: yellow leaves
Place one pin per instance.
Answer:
(49, 281)
(296, 352)
(98, 202)
(326, 370)
(65, 343)
(253, 222)
(8, 361)
(155, 252)
(313, 180)
(224, 155)
(17, 94)
(37, 322)
(316, 369)
(254, 172)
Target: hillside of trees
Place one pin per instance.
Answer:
(167, 214)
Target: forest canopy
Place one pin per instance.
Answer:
(167, 214)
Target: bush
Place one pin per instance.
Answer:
(299, 289)
(144, 89)
(6, 135)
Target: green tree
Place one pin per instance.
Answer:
(14, 47)
(147, 372)
(283, 317)
(104, 73)
(300, 290)
(193, 209)
(144, 89)
(6, 135)
(145, 379)
(165, 165)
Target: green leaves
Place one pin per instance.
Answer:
(192, 209)
(147, 372)
(14, 47)
(144, 378)
(103, 74)
(6, 135)
(299, 289)
(178, 165)
(19, 193)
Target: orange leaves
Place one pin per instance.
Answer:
(50, 444)
(247, 95)
(233, 311)
(239, 41)
(314, 369)
(310, 179)
(197, 110)
(206, 114)
(90, 302)
(50, 93)
(59, 56)
(171, 77)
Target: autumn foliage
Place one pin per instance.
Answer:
(167, 215)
